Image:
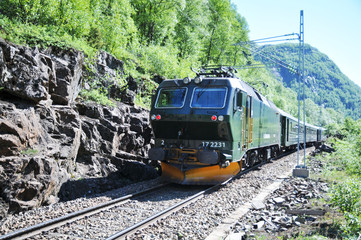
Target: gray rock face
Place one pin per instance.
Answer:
(19, 128)
(25, 72)
(49, 143)
(28, 182)
(68, 67)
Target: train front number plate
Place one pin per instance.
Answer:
(214, 144)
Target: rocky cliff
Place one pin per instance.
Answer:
(54, 146)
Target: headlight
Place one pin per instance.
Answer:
(197, 80)
(186, 80)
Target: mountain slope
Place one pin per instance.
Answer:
(325, 84)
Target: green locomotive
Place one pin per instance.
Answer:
(209, 128)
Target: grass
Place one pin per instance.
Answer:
(29, 152)
(98, 96)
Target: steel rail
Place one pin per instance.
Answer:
(54, 223)
(146, 222)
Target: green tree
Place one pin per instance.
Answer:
(191, 29)
(226, 28)
(156, 19)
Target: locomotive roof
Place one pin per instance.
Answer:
(257, 95)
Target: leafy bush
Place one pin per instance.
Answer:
(97, 95)
(346, 193)
(161, 60)
(347, 196)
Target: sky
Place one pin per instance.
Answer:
(331, 26)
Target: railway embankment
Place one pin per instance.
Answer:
(54, 146)
(297, 207)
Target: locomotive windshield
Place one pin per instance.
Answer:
(209, 97)
(171, 98)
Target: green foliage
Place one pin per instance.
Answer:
(41, 36)
(347, 196)
(161, 60)
(333, 129)
(99, 24)
(96, 90)
(29, 152)
(226, 28)
(191, 30)
(163, 38)
(156, 19)
(347, 155)
(346, 165)
(97, 95)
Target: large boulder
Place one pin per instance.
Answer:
(33, 75)
(25, 72)
(68, 66)
(29, 182)
(19, 129)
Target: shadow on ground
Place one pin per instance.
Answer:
(89, 187)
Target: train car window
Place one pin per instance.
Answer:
(171, 98)
(209, 98)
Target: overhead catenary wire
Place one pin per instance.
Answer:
(280, 40)
(273, 59)
(284, 35)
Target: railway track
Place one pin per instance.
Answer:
(111, 220)
(47, 226)
(108, 219)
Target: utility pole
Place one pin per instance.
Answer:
(301, 171)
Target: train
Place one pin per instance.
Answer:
(209, 128)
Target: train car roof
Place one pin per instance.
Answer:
(285, 114)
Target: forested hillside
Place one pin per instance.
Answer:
(325, 84)
(155, 39)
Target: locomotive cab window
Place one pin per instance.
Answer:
(250, 106)
(171, 98)
(238, 101)
(209, 97)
